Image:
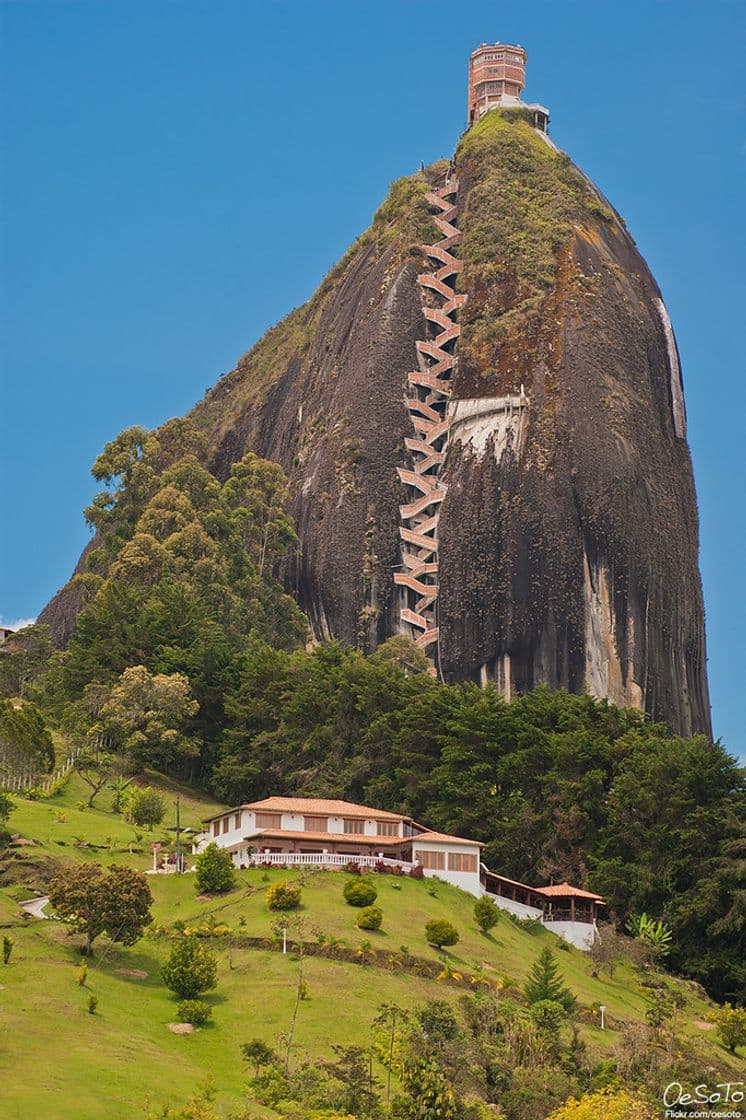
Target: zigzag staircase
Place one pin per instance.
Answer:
(428, 396)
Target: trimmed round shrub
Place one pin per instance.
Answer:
(190, 969)
(486, 913)
(440, 933)
(215, 871)
(194, 1011)
(284, 896)
(360, 892)
(370, 918)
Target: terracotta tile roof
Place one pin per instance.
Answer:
(443, 837)
(564, 890)
(313, 806)
(327, 837)
(505, 879)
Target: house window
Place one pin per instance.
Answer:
(354, 827)
(315, 824)
(237, 820)
(387, 828)
(226, 823)
(268, 820)
(431, 860)
(462, 861)
(215, 828)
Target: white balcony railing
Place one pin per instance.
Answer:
(323, 859)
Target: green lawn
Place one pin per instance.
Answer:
(57, 1060)
(58, 825)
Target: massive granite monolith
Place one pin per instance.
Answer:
(568, 534)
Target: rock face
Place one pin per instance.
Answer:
(568, 533)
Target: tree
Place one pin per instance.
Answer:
(438, 1021)
(544, 982)
(611, 1103)
(259, 1054)
(119, 788)
(256, 493)
(486, 913)
(147, 716)
(731, 1025)
(96, 767)
(440, 932)
(427, 1094)
(25, 657)
(215, 870)
(548, 1016)
(145, 807)
(354, 1094)
(389, 1016)
(190, 969)
(609, 949)
(26, 745)
(94, 900)
(7, 805)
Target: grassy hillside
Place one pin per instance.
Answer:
(58, 1060)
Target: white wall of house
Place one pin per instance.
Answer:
(296, 822)
(449, 871)
(580, 934)
(520, 909)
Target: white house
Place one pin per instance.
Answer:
(327, 833)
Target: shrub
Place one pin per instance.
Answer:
(440, 933)
(360, 892)
(417, 872)
(92, 1004)
(146, 807)
(611, 1102)
(82, 974)
(194, 1011)
(438, 1020)
(486, 913)
(215, 870)
(284, 896)
(190, 969)
(731, 1025)
(370, 918)
(548, 1016)
(7, 948)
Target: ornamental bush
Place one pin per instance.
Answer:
(194, 1011)
(440, 933)
(731, 1025)
(611, 1102)
(190, 969)
(215, 871)
(370, 918)
(486, 913)
(284, 896)
(360, 892)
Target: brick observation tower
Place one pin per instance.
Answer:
(497, 75)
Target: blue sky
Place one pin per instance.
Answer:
(177, 175)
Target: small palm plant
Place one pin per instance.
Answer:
(364, 951)
(656, 933)
(448, 972)
(479, 977)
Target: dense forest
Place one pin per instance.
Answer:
(189, 658)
